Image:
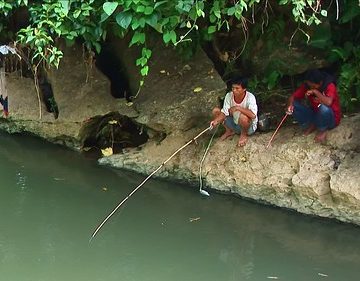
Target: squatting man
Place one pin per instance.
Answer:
(239, 112)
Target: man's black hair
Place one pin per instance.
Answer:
(314, 76)
(240, 81)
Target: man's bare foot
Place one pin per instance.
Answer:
(243, 140)
(309, 130)
(227, 134)
(321, 137)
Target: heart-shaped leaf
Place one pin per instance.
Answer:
(110, 7)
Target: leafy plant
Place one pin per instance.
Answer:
(349, 80)
(177, 21)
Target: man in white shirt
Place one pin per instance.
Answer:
(239, 112)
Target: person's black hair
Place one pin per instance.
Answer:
(314, 76)
(240, 81)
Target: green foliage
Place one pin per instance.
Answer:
(177, 21)
(349, 80)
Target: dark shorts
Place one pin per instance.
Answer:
(229, 122)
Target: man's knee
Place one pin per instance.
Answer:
(298, 105)
(323, 109)
(216, 111)
(244, 121)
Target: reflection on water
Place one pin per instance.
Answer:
(52, 199)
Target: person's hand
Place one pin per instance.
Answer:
(309, 92)
(290, 109)
(233, 109)
(213, 123)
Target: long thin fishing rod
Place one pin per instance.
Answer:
(277, 129)
(144, 181)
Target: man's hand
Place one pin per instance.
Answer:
(233, 109)
(313, 92)
(290, 109)
(214, 123)
(309, 92)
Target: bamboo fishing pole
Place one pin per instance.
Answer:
(277, 129)
(143, 182)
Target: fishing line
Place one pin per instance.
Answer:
(204, 192)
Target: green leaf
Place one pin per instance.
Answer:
(140, 9)
(144, 71)
(211, 29)
(124, 19)
(104, 17)
(141, 61)
(212, 18)
(145, 52)
(138, 38)
(142, 22)
(110, 7)
(323, 13)
(135, 24)
(148, 10)
(169, 36)
(231, 11)
(157, 4)
(152, 20)
(97, 47)
(65, 7)
(76, 14)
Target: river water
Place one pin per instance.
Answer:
(52, 199)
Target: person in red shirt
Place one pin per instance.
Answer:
(324, 112)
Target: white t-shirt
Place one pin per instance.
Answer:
(249, 102)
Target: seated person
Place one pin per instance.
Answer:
(324, 112)
(239, 112)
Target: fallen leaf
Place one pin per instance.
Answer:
(162, 71)
(112, 122)
(104, 189)
(194, 219)
(322, 274)
(86, 149)
(107, 151)
(197, 90)
(272, 277)
(129, 103)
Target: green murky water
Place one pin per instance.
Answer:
(51, 200)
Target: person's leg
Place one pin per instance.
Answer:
(304, 115)
(244, 123)
(324, 121)
(230, 128)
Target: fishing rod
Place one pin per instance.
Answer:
(278, 127)
(144, 181)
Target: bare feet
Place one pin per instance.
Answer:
(243, 140)
(309, 130)
(321, 137)
(227, 134)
